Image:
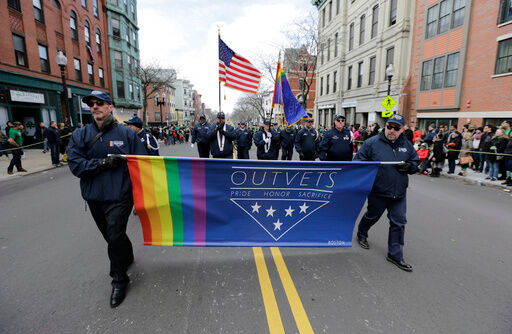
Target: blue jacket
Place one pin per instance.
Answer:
(200, 133)
(288, 138)
(260, 144)
(243, 137)
(336, 145)
(389, 182)
(306, 141)
(149, 141)
(229, 136)
(429, 138)
(52, 135)
(107, 185)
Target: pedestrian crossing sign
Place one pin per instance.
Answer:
(387, 113)
(388, 103)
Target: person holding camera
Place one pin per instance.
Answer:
(221, 136)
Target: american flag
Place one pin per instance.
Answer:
(236, 71)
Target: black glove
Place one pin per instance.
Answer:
(403, 167)
(110, 162)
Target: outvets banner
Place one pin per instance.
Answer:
(216, 202)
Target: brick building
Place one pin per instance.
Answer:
(30, 79)
(461, 63)
(162, 113)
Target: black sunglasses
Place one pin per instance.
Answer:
(99, 103)
(396, 128)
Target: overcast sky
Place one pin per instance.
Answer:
(183, 34)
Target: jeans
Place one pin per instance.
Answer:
(45, 144)
(508, 164)
(494, 168)
(451, 166)
(16, 160)
(54, 148)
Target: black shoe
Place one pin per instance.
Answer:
(400, 264)
(118, 294)
(363, 242)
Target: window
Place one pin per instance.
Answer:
(91, 73)
(130, 87)
(362, 29)
(84, 3)
(137, 91)
(328, 49)
(437, 78)
(78, 69)
(118, 60)
(426, 75)
(126, 6)
(505, 11)
(56, 4)
(351, 37)
(322, 53)
(95, 7)
(458, 13)
(20, 52)
(132, 8)
(349, 81)
(337, 7)
(323, 17)
(120, 89)
(14, 4)
(335, 45)
(38, 11)
(360, 74)
(452, 66)
(100, 75)
(327, 80)
(390, 55)
(98, 40)
(375, 20)
(444, 16)
(72, 24)
(321, 86)
(134, 38)
(392, 12)
(129, 61)
(116, 30)
(371, 73)
(114, 2)
(330, 11)
(87, 33)
(504, 57)
(335, 81)
(431, 21)
(43, 58)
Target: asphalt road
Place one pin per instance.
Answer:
(54, 271)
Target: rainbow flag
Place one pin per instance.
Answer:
(283, 95)
(225, 202)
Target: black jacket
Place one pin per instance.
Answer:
(200, 133)
(336, 145)
(228, 136)
(454, 145)
(243, 137)
(52, 135)
(306, 141)
(261, 144)
(288, 138)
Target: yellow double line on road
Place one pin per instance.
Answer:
(275, 323)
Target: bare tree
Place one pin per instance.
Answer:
(251, 107)
(153, 77)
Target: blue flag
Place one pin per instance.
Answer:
(283, 95)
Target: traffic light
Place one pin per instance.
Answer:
(3, 99)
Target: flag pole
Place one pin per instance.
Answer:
(275, 84)
(218, 48)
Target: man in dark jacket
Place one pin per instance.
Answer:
(265, 140)
(147, 139)
(337, 143)
(306, 142)
(199, 136)
(287, 141)
(105, 182)
(484, 146)
(221, 136)
(390, 186)
(277, 143)
(243, 141)
(429, 138)
(54, 142)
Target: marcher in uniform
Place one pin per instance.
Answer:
(306, 142)
(287, 141)
(199, 136)
(265, 140)
(221, 137)
(243, 141)
(338, 143)
(148, 140)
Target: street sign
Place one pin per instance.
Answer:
(388, 103)
(387, 113)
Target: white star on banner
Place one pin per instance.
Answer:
(289, 211)
(303, 208)
(277, 225)
(270, 212)
(256, 207)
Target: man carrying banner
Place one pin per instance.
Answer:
(390, 186)
(338, 143)
(105, 182)
(148, 140)
(287, 142)
(200, 136)
(306, 141)
(243, 141)
(221, 136)
(265, 140)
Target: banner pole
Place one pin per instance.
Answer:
(218, 46)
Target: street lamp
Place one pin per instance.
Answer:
(62, 61)
(389, 74)
(161, 103)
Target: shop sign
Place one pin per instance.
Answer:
(326, 106)
(22, 96)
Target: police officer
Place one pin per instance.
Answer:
(221, 136)
(243, 141)
(277, 143)
(390, 186)
(265, 140)
(147, 139)
(105, 182)
(287, 142)
(306, 141)
(337, 144)
(200, 136)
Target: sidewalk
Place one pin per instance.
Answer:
(473, 177)
(34, 161)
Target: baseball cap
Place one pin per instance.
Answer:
(221, 115)
(134, 120)
(243, 123)
(339, 116)
(266, 121)
(397, 119)
(202, 116)
(309, 120)
(274, 123)
(98, 95)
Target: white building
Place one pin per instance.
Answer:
(357, 41)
